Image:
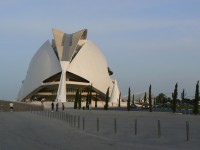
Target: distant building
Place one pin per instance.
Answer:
(139, 97)
(68, 63)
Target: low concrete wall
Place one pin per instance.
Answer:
(100, 104)
(19, 106)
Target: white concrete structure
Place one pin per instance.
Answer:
(70, 62)
(115, 93)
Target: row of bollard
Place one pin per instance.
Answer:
(75, 121)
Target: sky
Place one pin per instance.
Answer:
(145, 42)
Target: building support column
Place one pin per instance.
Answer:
(61, 94)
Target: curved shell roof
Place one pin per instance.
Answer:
(86, 61)
(91, 64)
(43, 65)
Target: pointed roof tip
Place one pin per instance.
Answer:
(82, 30)
(57, 30)
(54, 29)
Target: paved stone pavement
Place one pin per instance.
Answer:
(25, 130)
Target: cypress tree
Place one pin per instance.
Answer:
(119, 104)
(150, 100)
(133, 101)
(175, 94)
(96, 101)
(145, 97)
(79, 101)
(76, 99)
(87, 101)
(107, 99)
(154, 101)
(196, 101)
(90, 95)
(129, 99)
(183, 96)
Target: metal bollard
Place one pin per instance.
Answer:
(78, 122)
(115, 125)
(97, 124)
(74, 120)
(62, 115)
(83, 123)
(159, 131)
(48, 113)
(187, 130)
(135, 126)
(67, 118)
(57, 113)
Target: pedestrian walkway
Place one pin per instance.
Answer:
(24, 130)
(114, 131)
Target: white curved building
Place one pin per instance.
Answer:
(70, 62)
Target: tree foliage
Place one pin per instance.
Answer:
(174, 95)
(119, 102)
(196, 100)
(129, 99)
(145, 97)
(183, 94)
(150, 99)
(76, 99)
(87, 101)
(96, 101)
(133, 100)
(90, 94)
(161, 98)
(107, 99)
(79, 100)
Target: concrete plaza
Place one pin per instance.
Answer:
(35, 131)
